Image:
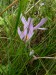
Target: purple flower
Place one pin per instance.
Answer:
(28, 31)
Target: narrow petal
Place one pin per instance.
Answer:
(26, 27)
(40, 24)
(25, 24)
(24, 21)
(30, 34)
(25, 31)
(29, 20)
(20, 33)
(42, 28)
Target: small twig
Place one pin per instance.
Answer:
(14, 2)
(46, 57)
(35, 57)
(38, 57)
(4, 38)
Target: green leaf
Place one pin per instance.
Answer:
(1, 21)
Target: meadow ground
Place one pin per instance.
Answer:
(38, 55)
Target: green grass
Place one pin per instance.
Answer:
(14, 53)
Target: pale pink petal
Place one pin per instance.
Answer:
(40, 24)
(25, 31)
(24, 21)
(30, 34)
(26, 28)
(25, 24)
(20, 33)
(29, 21)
